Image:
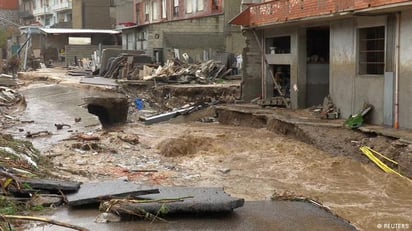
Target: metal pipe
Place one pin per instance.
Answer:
(397, 60)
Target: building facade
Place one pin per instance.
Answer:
(93, 14)
(9, 13)
(47, 13)
(168, 28)
(355, 51)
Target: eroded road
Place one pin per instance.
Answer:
(248, 162)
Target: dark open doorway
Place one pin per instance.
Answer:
(318, 49)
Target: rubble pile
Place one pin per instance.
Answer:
(174, 71)
(9, 97)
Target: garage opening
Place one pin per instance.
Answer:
(318, 50)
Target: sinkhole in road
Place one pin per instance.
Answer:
(110, 110)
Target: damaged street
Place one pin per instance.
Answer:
(236, 147)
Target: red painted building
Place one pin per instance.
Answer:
(279, 11)
(9, 4)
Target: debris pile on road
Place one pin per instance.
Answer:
(139, 67)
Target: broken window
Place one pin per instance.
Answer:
(176, 8)
(164, 15)
(278, 45)
(372, 50)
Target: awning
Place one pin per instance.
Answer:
(77, 31)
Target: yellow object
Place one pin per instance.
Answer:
(369, 152)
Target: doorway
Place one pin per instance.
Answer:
(318, 50)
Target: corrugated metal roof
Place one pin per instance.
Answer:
(77, 31)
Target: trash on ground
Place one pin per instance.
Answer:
(357, 120)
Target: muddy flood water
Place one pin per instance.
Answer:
(249, 163)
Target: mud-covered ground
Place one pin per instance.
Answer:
(248, 160)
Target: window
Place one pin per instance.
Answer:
(146, 11)
(200, 5)
(189, 6)
(278, 45)
(176, 8)
(164, 14)
(372, 50)
(155, 10)
(215, 4)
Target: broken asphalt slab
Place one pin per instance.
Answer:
(52, 185)
(91, 193)
(185, 200)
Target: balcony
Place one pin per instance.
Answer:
(42, 11)
(62, 6)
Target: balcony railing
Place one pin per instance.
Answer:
(62, 6)
(45, 10)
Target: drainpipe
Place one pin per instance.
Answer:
(397, 60)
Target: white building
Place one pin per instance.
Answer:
(53, 13)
